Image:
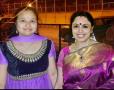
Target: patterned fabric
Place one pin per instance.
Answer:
(93, 69)
(23, 72)
(27, 57)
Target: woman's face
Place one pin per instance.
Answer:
(26, 23)
(81, 29)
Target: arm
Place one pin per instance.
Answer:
(52, 71)
(109, 84)
(3, 70)
(62, 54)
(59, 84)
(3, 73)
(109, 70)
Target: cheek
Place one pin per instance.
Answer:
(19, 25)
(73, 30)
(88, 35)
(89, 32)
(34, 25)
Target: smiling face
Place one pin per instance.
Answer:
(81, 29)
(26, 23)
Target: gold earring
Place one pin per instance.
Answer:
(16, 32)
(72, 36)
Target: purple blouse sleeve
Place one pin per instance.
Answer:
(62, 55)
(52, 52)
(2, 58)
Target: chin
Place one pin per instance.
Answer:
(82, 40)
(27, 34)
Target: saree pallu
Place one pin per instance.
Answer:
(95, 71)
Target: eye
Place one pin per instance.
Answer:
(22, 20)
(33, 21)
(75, 26)
(85, 26)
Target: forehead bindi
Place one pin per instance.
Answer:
(81, 20)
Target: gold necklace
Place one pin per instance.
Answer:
(81, 54)
(78, 57)
(83, 50)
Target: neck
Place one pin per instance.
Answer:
(82, 44)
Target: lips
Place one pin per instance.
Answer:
(28, 29)
(80, 35)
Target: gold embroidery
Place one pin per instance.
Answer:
(27, 57)
(90, 56)
(28, 76)
(74, 58)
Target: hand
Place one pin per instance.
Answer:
(79, 87)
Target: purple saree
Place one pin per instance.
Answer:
(95, 71)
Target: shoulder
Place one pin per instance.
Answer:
(49, 41)
(2, 44)
(103, 50)
(103, 47)
(45, 39)
(65, 50)
(41, 37)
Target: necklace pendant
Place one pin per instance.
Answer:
(81, 59)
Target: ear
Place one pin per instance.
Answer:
(92, 29)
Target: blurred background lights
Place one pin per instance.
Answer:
(29, 5)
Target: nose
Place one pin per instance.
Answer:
(80, 29)
(27, 24)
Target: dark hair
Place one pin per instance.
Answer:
(12, 31)
(18, 11)
(81, 13)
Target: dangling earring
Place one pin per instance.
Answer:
(92, 36)
(17, 32)
(73, 37)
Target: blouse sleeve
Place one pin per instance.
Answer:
(109, 83)
(62, 55)
(2, 58)
(52, 52)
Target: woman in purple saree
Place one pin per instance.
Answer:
(85, 64)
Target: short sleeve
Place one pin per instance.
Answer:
(62, 55)
(52, 52)
(2, 58)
